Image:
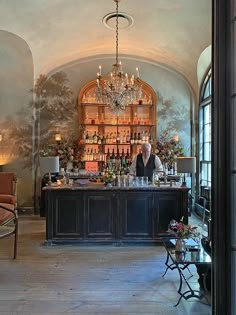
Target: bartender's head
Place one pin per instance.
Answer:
(146, 150)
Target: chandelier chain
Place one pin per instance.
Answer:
(118, 90)
(117, 32)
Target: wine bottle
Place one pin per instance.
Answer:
(118, 137)
(131, 138)
(127, 158)
(127, 137)
(87, 137)
(95, 137)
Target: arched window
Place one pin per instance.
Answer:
(205, 126)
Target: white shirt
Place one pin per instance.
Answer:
(158, 165)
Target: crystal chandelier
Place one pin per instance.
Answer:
(118, 90)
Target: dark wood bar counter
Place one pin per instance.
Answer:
(100, 214)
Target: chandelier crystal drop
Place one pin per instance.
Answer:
(118, 90)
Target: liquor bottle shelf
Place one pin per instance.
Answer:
(99, 126)
(119, 125)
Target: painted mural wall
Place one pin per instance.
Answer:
(16, 123)
(31, 114)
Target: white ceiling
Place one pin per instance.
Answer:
(172, 33)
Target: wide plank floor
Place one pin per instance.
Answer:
(82, 280)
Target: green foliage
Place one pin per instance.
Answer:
(169, 148)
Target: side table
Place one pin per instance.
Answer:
(182, 261)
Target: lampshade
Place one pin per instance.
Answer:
(186, 164)
(49, 164)
(58, 137)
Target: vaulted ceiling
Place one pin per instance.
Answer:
(170, 33)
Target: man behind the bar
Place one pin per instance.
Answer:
(146, 163)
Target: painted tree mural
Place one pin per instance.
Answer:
(33, 128)
(176, 119)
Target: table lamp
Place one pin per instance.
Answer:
(49, 164)
(186, 164)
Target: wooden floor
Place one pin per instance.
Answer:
(80, 280)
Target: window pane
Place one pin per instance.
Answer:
(204, 171)
(201, 151)
(209, 172)
(207, 114)
(210, 92)
(207, 133)
(207, 91)
(207, 152)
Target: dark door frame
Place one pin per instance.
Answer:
(223, 249)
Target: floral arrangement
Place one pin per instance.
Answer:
(181, 230)
(67, 152)
(109, 177)
(169, 148)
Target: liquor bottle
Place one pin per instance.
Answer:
(107, 138)
(108, 156)
(114, 138)
(87, 137)
(123, 160)
(111, 138)
(87, 155)
(128, 158)
(113, 157)
(99, 139)
(91, 139)
(118, 161)
(143, 137)
(139, 140)
(124, 137)
(84, 137)
(103, 140)
(95, 137)
(127, 137)
(91, 155)
(95, 156)
(131, 138)
(135, 138)
(118, 138)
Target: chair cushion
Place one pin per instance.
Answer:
(8, 199)
(6, 182)
(6, 216)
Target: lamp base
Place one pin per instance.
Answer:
(184, 184)
(49, 179)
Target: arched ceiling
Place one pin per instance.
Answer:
(172, 33)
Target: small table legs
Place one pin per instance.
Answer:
(189, 293)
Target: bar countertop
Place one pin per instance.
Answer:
(102, 186)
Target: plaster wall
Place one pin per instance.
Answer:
(175, 104)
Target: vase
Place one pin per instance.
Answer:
(180, 245)
(69, 166)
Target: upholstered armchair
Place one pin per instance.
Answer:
(8, 188)
(8, 212)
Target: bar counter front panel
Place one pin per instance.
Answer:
(99, 214)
